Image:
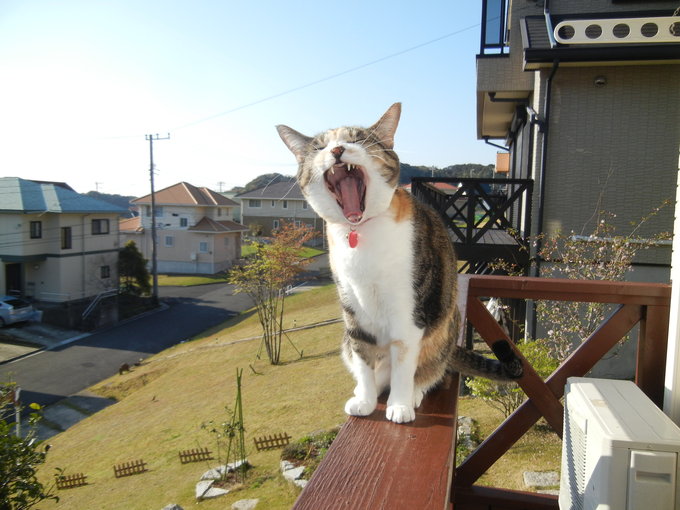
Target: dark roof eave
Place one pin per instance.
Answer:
(605, 53)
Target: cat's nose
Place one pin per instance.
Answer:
(337, 152)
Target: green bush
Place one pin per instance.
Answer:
(507, 397)
(20, 458)
(310, 450)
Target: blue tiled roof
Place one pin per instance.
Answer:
(22, 195)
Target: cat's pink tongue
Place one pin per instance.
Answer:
(351, 199)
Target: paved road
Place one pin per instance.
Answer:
(50, 376)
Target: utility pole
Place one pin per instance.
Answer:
(154, 257)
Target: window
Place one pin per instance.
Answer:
(227, 241)
(169, 241)
(105, 272)
(66, 238)
(254, 203)
(494, 20)
(159, 212)
(273, 203)
(298, 223)
(285, 204)
(36, 229)
(100, 227)
(147, 211)
(183, 222)
(275, 225)
(219, 211)
(203, 247)
(304, 204)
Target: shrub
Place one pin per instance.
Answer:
(507, 397)
(20, 458)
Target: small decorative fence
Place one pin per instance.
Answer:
(271, 442)
(135, 467)
(195, 455)
(71, 481)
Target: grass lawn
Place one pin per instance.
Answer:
(188, 280)
(162, 404)
(540, 449)
(306, 252)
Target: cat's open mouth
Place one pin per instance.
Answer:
(347, 184)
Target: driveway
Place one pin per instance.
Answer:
(51, 375)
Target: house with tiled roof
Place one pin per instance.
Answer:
(56, 245)
(263, 209)
(195, 230)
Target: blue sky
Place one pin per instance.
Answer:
(84, 80)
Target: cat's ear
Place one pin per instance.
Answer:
(296, 142)
(385, 128)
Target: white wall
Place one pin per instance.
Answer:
(672, 385)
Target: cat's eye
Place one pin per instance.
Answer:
(318, 147)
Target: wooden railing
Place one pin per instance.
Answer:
(485, 216)
(375, 464)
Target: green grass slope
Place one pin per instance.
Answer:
(163, 403)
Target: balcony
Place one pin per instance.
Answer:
(494, 28)
(376, 464)
(488, 219)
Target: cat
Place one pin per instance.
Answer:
(394, 266)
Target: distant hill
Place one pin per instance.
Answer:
(472, 170)
(119, 200)
(464, 170)
(262, 181)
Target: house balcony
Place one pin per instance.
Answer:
(502, 83)
(374, 463)
(488, 219)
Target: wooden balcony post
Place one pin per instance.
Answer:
(652, 347)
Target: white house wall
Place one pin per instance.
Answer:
(170, 216)
(56, 273)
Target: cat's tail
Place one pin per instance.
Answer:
(507, 367)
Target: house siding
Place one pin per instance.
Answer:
(610, 149)
(52, 273)
(267, 214)
(183, 221)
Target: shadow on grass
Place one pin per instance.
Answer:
(313, 357)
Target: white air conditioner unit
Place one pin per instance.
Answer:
(193, 256)
(619, 451)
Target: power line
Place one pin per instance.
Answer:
(326, 78)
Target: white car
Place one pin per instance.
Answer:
(13, 309)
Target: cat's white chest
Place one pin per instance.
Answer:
(376, 274)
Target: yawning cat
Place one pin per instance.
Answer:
(394, 266)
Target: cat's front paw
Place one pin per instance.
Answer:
(357, 407)
(418, 395)
(399, 413)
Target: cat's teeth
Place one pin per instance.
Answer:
(350, 168)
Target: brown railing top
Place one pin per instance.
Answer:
(563, 289)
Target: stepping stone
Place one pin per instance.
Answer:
(245, 504)
(541, 478)
(293, 474)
